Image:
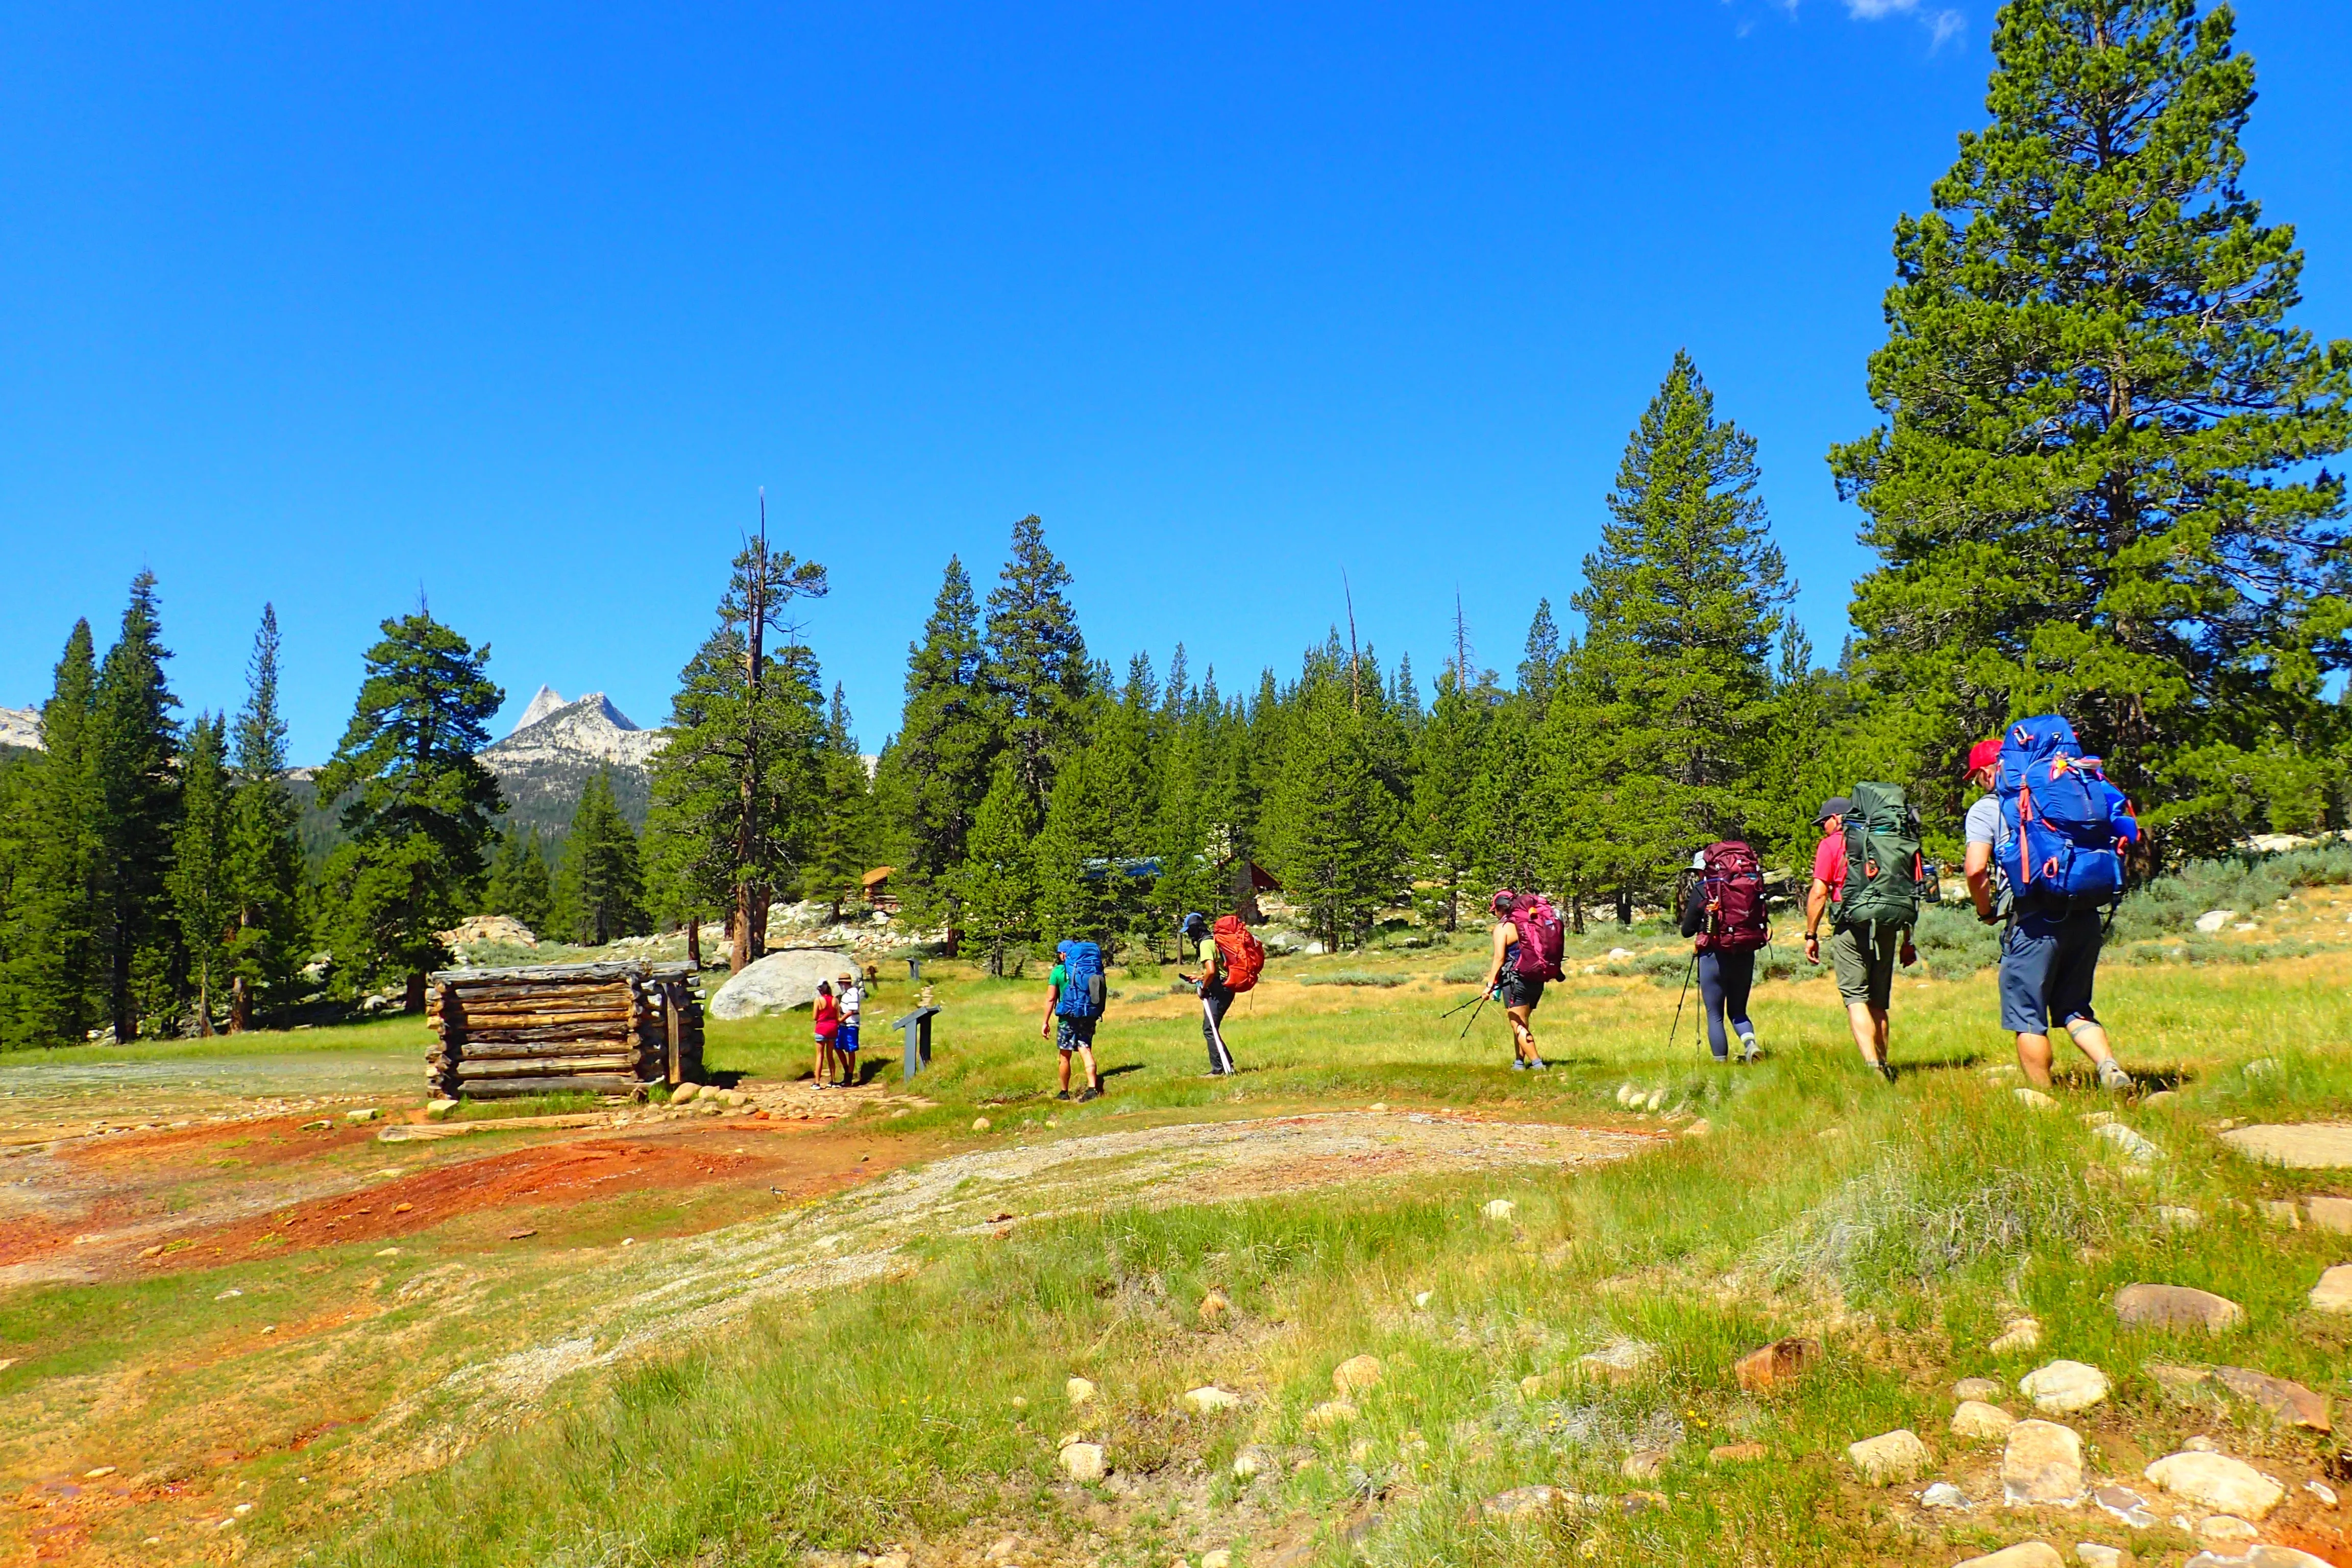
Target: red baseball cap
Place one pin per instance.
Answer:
(1984, 754)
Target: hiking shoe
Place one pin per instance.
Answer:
(1090, 1094)
(1748, 1049)
(2112, 1075)
(1540, 1064)
(1064, 1095)
(1886, 1071)
(1519, 1065)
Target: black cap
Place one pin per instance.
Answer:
(1836, 805)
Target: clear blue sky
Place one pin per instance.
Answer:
(522, 303)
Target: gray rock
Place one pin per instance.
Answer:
(1982, 1389)
(1943, 1494)
(778, 983)
(2334, 1291)
(1889, 1458)
(1084, 1461)
(1209, 1400)
(2133, 1145)
(2284, 1401)
(684, 1094)
(2218, 1482)
(2302, 1146)
(2064, 1387)
(2330, 1213)
(1975, 1418)
(2093, 1555)
(2213, 920)
(2024, 1554)
(2125, 1505)
(2043, 1464)
(1329, 1414)
(2177, 1306)
(1078, 1390)
(2262, 1555)
(1524, 1502)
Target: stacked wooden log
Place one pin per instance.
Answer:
(610, 1029)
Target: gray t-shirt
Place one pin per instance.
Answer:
(1985, 826)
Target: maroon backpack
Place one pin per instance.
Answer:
(1542, 938)
(1733, 886)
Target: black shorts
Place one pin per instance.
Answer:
(1521, 990)
(1070, 1032)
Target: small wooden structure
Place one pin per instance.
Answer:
(875, 886)
(612, 1029)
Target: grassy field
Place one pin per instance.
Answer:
(1903, 1227)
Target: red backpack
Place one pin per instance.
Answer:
(1542, 938)
(1733, 885)
(1244, 956)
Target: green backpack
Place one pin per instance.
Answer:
(1882, 859)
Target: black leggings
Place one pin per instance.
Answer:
(1214, 1000)
(1722, 981)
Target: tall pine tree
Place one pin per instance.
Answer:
(53, 989)
(1681, 604)
(601, 891)
(1332, 831)
(936, 772)
(844, 832)
(996, 886)
(1035, 663)
(204, 874)
(268, 952)
(2097, 488)
(519, 885)
(422, 809)
(132, 742)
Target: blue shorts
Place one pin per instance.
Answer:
(846, 1038)
(2049, 958)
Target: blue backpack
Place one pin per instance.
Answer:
(2062, 815)
(1082, 980)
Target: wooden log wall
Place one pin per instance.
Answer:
(611, 1028)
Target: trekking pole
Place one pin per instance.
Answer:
(1676, 1027)
(1457, 1008)
(1481, 1007)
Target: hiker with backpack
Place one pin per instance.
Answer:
(1231, 960)
(2045, 860)
(1528, 940)
(1076, 993)
(1725, 916)
(1867, 873)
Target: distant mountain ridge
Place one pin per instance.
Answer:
(21, 728)
(558, 746)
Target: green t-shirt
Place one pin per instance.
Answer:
(1060, 977)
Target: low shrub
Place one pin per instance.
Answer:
(1358, 977)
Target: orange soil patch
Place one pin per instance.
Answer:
(279, 1141)
(802, 1164)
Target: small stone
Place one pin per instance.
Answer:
(2173, 1216)
(1975, 1418)
(99, 1474)
(2262, 1555)
(2218, 1482)
(2202, 1444)
(2133, 1145)
(357, 1117)
(1219, 1558)
(1421, 1297)
(2213, 920)
(1214, 1306)
(2330, 1213)
(1358, 1372)
(2285, 1212)
(154, 1251)
(2334, 1291)
(1499, 1210)
(2322, 1490)
(2024, 1554)
(2093, 1555)
(2177, 1306)
(2288, 1401)
(2227, 1527)
(1698, 1128)
(1736, 1453)
(1079, 1390)
(1209, 1400)
(979, 1124)
(2262, 1067)
(1657, 1098)
(2162, 1099)
(1520, 1502)
(231, 1294)
(1889, 1458)
(1985, 1389)
(1775, 1365)
(2064, 1385)
(2043, 1464)
(1644, 1465)
(2034, 1100)
(1329, 1414)
(685, 1093)
(1620, 1363)
(1943, 1494)
(2018, 1335)
(1627, 1094)
(2125, 1505)
(1247, 1463)
(440, 1110)
(1084, 1462)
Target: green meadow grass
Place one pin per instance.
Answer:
(1903, 1227)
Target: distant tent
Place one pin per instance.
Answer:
(1245, 879)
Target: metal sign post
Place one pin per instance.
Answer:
(917, 1027)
